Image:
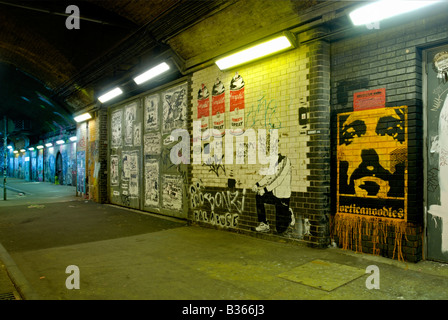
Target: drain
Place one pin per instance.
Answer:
(7, 296)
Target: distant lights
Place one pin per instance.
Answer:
(31, 149)
(40, 147)
(60, 142)
(73, 139)
(49, 144)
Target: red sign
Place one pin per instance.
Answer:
(371, 99)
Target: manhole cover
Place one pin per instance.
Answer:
(323, 275)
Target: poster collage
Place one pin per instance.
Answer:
(139, 139)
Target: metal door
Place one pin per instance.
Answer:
(436, 167)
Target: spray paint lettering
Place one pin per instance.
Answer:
(221, 208)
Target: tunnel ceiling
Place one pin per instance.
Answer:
(49, 72)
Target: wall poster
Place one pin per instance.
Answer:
(218, 107)
(204, 108)
(237, 105)
(172, 192)
(174, 108)
(151, 112)
(151, 182)
(116, 128)
(129, 116)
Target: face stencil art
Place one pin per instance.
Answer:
(372, 153)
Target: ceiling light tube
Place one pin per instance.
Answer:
(49, 144)
(255, 52)
(110, 95)
(22, 150)
(384, 9)
(151, 73)
(31, 149)
(74, 138)
(40, 147)
(15, 151)
(83, 117)
(60, 142)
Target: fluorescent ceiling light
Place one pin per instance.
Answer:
(49, 144)
(31, 149)
(40, 147)
(15, 151)
(74, 138)
(384, 9)
(60, 142)
(9, 147)
(110, 95)
(255, 52)
(151, 73)
(22, 150)
(83, 117)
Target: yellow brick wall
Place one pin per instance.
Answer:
(275, 88)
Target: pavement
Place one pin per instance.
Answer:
(57, 246)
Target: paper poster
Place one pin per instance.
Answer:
(237, 105)
(218, 107)
(114, 170)
(152, 112)
(129, 164)
(129, 114)
(172, 192)
(174, 108)
(137, 134)
(204, 108)
(151, 182)
(116, 128)
(152, 143)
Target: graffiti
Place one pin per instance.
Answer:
(436, 210)
(372, 155)
(214, 164)
(268, 109)
(433, 179)
(224, 206)
(275, 189)
(228, 220)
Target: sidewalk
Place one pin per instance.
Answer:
(122, 254)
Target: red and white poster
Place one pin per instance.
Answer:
(237, 105)
(218, 107)
(204, 108)
(371, 99)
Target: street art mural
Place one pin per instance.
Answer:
(437, 154)
(371, 173)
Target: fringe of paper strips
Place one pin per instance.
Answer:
(350, 230)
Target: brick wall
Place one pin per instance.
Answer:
(277, 90)
(389, 58)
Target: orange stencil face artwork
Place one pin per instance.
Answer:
(372, 156)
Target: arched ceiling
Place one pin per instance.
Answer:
(116, 39)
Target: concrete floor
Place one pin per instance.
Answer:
(122, 254)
